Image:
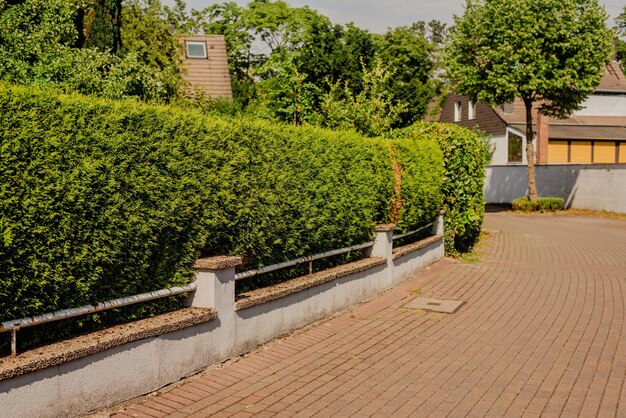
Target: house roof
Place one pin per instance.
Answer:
(209, 74)
(613, 79)
(577, 131)
(587, 132)
(487, 120)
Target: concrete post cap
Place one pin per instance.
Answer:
(385, 227)
(219, 262)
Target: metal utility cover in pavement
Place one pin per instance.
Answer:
(435, 305)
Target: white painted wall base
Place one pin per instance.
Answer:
(130, 370)
(583, 186)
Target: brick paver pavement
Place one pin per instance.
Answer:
(542, 334)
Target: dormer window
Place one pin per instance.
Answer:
(196, 49)
(471, 110)
(457, 111)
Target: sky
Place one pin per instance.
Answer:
(378, 15)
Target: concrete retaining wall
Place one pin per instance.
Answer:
(583, 186)
(123, 372)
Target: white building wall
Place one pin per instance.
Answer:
(597, 105)
(500, 147)
(583, 186)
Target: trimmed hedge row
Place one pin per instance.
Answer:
(104, 199)
(465, 155)
(421, 164)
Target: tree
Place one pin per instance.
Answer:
(406, 51)
(40, 44)
(620, 44)
(285, 60)
(371, 112)
(102, 28)
(547, 52)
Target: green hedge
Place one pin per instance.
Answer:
(465, 155)
(543, 204)
(421, 165)
(104, 199)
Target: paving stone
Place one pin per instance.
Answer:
(542, 333)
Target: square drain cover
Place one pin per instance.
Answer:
(435, 305)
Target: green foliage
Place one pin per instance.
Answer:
(297, 191)
(104, 199)
(421, 163)
(103, 25)
(543, 204)
(371, 112)
(552, 51)
(406, 50)
(620, 42)
(40, 44)
(464, 158)
(100, 199)
(288, 62)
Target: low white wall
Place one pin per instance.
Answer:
(133, 369)
(264, 322)
(405, 265)
(583, 186)
(112, 376)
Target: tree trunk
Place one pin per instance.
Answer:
(530, 151)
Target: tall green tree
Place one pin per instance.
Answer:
(103, 25)
(41, 44)
(620, 41)
(550, 52)
(408, 54)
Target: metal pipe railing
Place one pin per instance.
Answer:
(16, 324)
(406, 234)
(309, 259)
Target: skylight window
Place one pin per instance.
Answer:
(196, 49)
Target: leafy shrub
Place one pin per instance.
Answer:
(464, 158)
(543, 204)
(104, 199)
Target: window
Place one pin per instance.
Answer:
(515, 148)
(471, 110)
(558, 152)
(196, 49)
(604, 152)
(580, 152)
(457, 111)
(584, 152)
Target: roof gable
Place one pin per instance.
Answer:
(486, 119)
(613, 80)
(209, 74)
